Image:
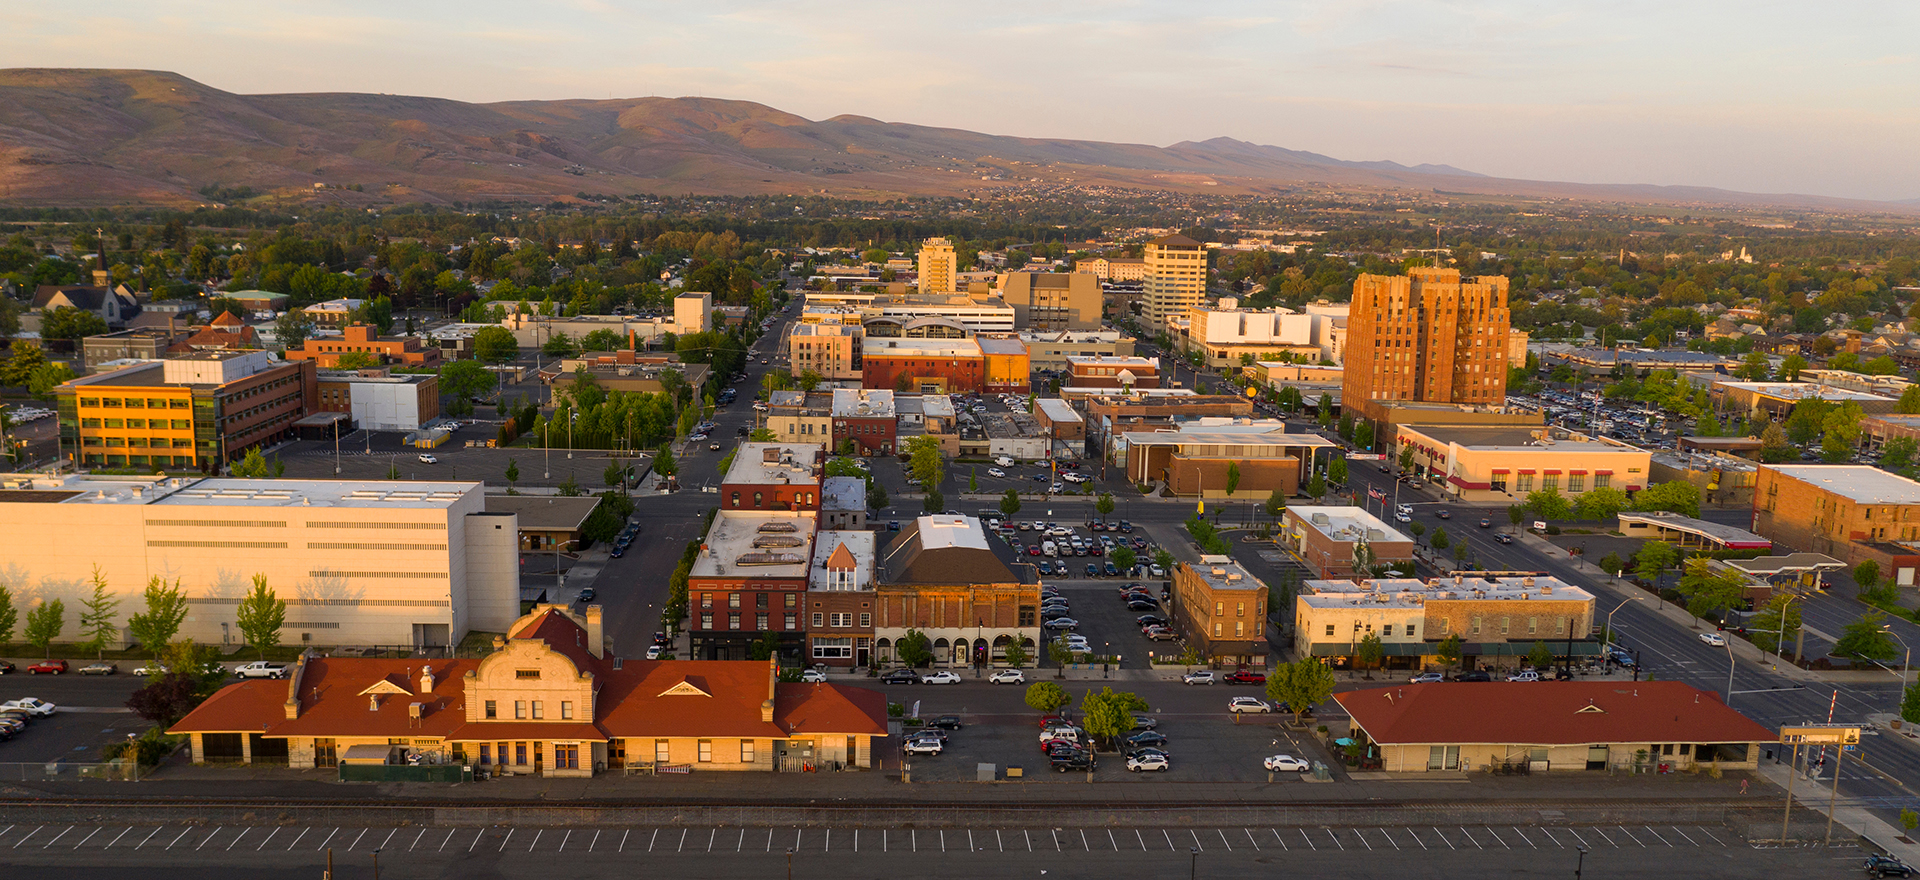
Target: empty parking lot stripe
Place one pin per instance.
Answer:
(240, 837)
(715, 835)
(1469, 836)
(210, 837)
(83, 840)
(1336, 840)
(30, 834)
(1629, 834)
(1249, 832)
(363, 833)
(683, 841)
(263, 843)
(449, 839)
(416, 840)
(150, 835)
(1169, 836)
(503, 842)
(1710, 836)
(1656, 835)
(390, 834)
(1309, 840)
(1142, 838)
(1491, 833)
(116, 840)
(56, 837)
(1523, 836)
(476, 839)
(1443, 839)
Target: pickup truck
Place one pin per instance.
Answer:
(261, 669)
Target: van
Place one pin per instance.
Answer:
(1003, 460)
(1049, 548)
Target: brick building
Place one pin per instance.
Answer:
(1326, 538)
(1053, 300)
(1498, 619)
(202, 410)
(748, 581)
(830, 350)
(969, 594)
(840, 599)
(867, 418)
(1849, 512)
(1427, 336)
(925, 365)
(404, 351)
(1008, 369)
(1221, 611)
(1195, 459)
(1112, 372)
(773, 476)
(1059, 420)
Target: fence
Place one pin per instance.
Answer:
(62, 771)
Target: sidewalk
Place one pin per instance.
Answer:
(1848, 820)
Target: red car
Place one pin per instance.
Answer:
(1244, 677)
(51, 667)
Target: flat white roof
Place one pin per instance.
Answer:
(1344, 523)
(943, 530)
(860, 543)
(757, 543)
(1058, 410)
(229, 492)
(1858, 482)
(1415, 593)
(792, 463)
(1222, 573)
(1802, 391)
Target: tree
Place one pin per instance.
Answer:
(1016, 654)
(1774, 447)
(1516, 514)
(1612, 564)
(27, 356)
(877, 497)
(66, 322)
(1370, 652)
(1654, 557)
(1010, 502)
(252, 466)
(1863, 639)
(1450, 650)
(1897, 456)
(1866, 576)
(1108, 714)
(513, 473)
(924, 461)
(9, 615)
(1707, 590)
(1045, 696)
(1406, 458)
(1754, 367)
(1601, 503)
(495, 345)
(1104, 504)
(1790, 368)
(292, 329)
(355, 360)
(1539, 656)
(1061, 655)
(1276, 502)
(1439, 539)
(973, 479)
(166, 610)
(934, 501)
(44, 625)
(914, 649)
(260, 616)
(1317, 488)
(1124, 559)
(1233, 477)
(1764, 628)
(1325, 410)
(1337, 471)
(1707, 426)
(663, 463)
(1675, 496)
(1910, 713)
(96, 622)
(1549, 504)
(1300, 685)
(46, 377)
(465, 380)
(1164, 559)
(1909, 400)
(762, 435)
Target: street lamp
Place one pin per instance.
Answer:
(1780, 641)
(376, 865)
(1728, 644)
(1193, 862)
(1616, 610)
(1581, 861)
(789, 863)
(1904, 664)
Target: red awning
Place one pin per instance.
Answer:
(1577, 471)
(1526, 470)
(1552, 470)
(1603, 473)
(1499, 470)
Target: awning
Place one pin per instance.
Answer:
(1389, 649)
(1520, 648)
(1500, 470)
(1603, 473)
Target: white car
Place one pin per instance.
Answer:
(1403, 517)
(996, 472)
(656, 652)
(1074, 478)
(1713, 638)
(1426, 677)
(922, 747)
(1008, 676)
(1056, 489)
(1524, 675)
(151, 669)
(1204, 676)
(428, 458)
(1245, 705)
(1285, 764)
(1141, 763)
(941, 677)
(30, 705)
(813, 676)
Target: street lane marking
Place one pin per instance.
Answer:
(1196, 840)
(1363, 839)
(739, 846)
(623, 839)
(183, 833)
(1029, 836)
(83, 840)
(715, 835)
(1603, 836)
(1142, 838)
(1169, 836)
(323, 843)
(1309, 840)
(363, 833)
(390, 834)
(263, 843)
(1389, 836)
(1055, 834)
(443, 843)
(56, 837)
(656, 836)
(1110, 839)
(1277, 837)
(1576, 836)
(503, 843)
(1710, 836)
(1416, 838)
(1676, 830)
(150, 834)
(1083, 841)
(1336, 840)
(1556, 841)
(470, 847)
(1629, 834)
(1490, 833)
(683, 841)
(997, 841)
(1469, 836)
(1223, 839)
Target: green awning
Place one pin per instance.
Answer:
(1519, 649)
(1390, 649)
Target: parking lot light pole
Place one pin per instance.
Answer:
(1580, 861)
(1193, 862)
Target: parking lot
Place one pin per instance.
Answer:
(1395, 850)
(92, 713)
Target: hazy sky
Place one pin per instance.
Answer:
(1758, 96)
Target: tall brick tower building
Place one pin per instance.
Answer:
(1426, 336)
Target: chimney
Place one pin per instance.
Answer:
(292, 704)
(773, 685)
(595, 638)
(426, 679)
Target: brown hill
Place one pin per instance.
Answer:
(109, 137)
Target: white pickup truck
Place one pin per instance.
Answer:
(261, 669)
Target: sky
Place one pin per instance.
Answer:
(1756, 96)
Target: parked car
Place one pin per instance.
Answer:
(1145, 722)
(586, 594)
(922, 746)
(1147, 762)
(813, 676)
(1426, 677)
(1248, 705)
(1285, 764)
(995, 472)
(1473, 675)
(945, 722)
(658, 652)
(1008, 676)
(944, 676)
(50, 667)
(261, 669)
(1246, 677)
(1150, 620)
(1160, 634)
(101, 668)
(31, 705)
(1713, 638)
(1146, 738)
(1202, 676)
(1524, 675)
(6, 667)
(900, 676)
(1074, 760)
(428, 458)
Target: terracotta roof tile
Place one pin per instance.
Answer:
(1548, 713)
(563, 634)
(634, 700)
(831, 708)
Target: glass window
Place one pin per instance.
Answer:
(706, 751)
(1576, 483)
(493, 711)
(746, 751)
(793, 600)
(819, 620)
(760, 622)
(1523, 483)
(520, 710)
(520, 753)
(1329, 629)
(1602, 481)
(792, 621)
(566, 710)
(733, 621)
(733, 600)
(662, 750)
(1549, 482)
(538, 713)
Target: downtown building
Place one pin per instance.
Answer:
(1175, 280)
(1428, 336)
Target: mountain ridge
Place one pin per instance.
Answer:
(81, 137)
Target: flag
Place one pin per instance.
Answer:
(1376, 494)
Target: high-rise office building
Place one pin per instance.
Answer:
(1176, 279)
(938, 266)
(1427, 336)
